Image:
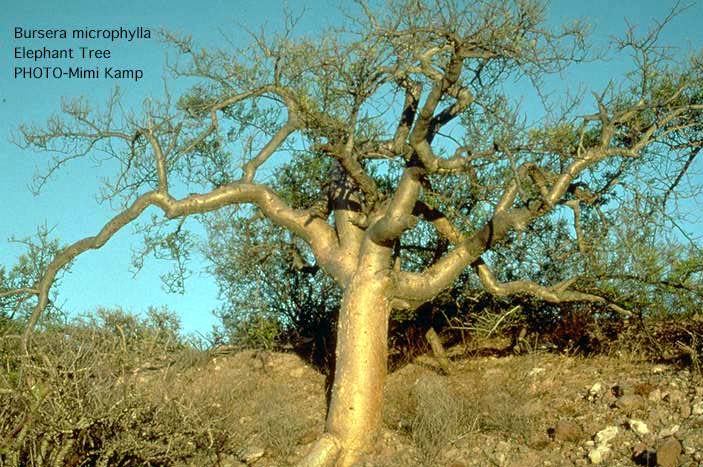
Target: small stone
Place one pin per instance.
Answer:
(311, 436)
(541, 440)
(669, 431)
(675, 396)
(658, 369)
(606, 435)
(693, 443)
(643, 389)
(598, 454)
(595, 391)
(452, 453)
(620, 390)
(503, 446)
(668, 452)
(685, 410)
(638, 426)
(639, 448)
(536, 371)
(697, 408)
(630, 403)
(655, 395)
(659, 415)
(251, 454)
(567, 430)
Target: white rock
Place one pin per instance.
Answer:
(598, 454)
(697, 408)
(595, 392)
(670, 431)
(597, 388)
(688, 449)
(639, 426)
(606, 435)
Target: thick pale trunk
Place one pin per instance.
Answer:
(357, 394)
(354, 416)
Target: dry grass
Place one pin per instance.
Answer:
(422, 406)
(92, 397)
(77, 401)
(122, 393)
(440, 417)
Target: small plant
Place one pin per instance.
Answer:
(256, 332)
(489, 323)
(79, 399)
(440, 417)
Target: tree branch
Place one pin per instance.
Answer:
(398, 216)
(316, 232)
(422, 287)
(23, 290)
(443, 225)
(556, 294)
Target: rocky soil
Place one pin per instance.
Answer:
(555, 410)
(538, 409)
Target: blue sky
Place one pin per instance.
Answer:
(103, 277)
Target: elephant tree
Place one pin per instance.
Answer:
(395, 115)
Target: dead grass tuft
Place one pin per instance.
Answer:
(440, 416)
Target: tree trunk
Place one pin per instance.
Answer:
(354, 415)
(438, 350)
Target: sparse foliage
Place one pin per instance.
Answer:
(17, 284)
